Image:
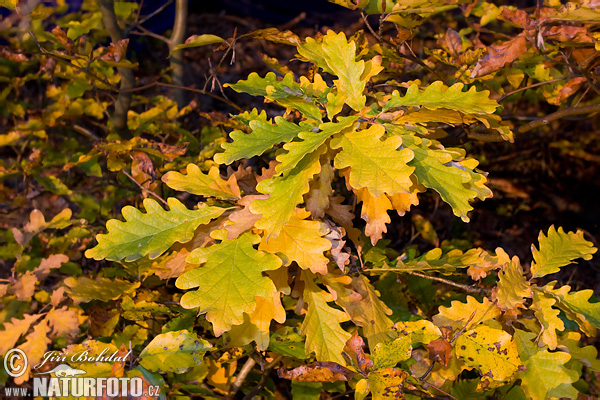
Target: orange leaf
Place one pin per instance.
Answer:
(499, 55)
(321, 371)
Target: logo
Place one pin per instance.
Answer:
(65, 381)
(15, 362)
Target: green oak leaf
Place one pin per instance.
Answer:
(286, 92)
(437, 95)
(152, 233)
(559, 249)
(285, 193)
(376, 165)
(229, 281)
(311, 140)
(576, 305)
(175, 351)
(264, 135)
(435, 169)
(544, 372)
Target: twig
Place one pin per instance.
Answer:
(567, 112)
(239, 380)
(146, 190)
(263, 379)
(530, 87)
(147, 17)
(466, 288)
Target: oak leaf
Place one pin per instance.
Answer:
(152, 233)
(302, 241)
(375, 164)
(229, 281)
(321, 324)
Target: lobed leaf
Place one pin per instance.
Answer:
(559, 249)
(492, 351)
(199, 183)
(321, 324)
(285, 193)
(229, 281)
(380, 166)
(286, 92)
(437, 95)
(264, 136)
(152, 233)
(175, 351)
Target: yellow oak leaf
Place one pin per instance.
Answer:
(34, 347)
(375, 213)
(25, 286)
(64, 321)
(547, 317)
(302, 241)
(512, 288)
(321, 325)
(14, 329)
(257, 324)
(468, 314)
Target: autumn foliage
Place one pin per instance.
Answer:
(290, 249)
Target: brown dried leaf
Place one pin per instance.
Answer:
(321, 371)
(276, 36)
(116, 51)
(10, 55)
(452, 42)
(335, 235)
(145, 164)
(569, 89)
(516, 17)
(354, 349)
(566, 33)
(61, 37)
(499, 55)
(440, 350)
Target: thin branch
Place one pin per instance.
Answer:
(147, 17)
(145, 190)
(567, 112)
(239, 380)
(146, 32)
(531, 87)
(448, 282)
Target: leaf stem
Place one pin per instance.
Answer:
(146, 190)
